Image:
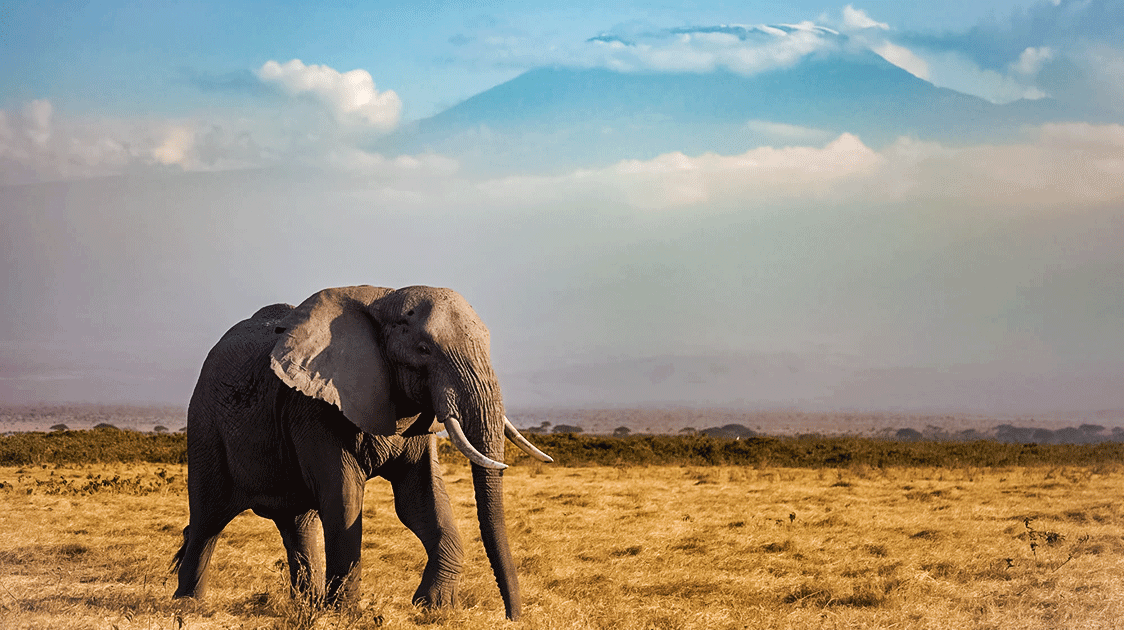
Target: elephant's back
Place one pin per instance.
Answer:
(235, 379)
(231, 424)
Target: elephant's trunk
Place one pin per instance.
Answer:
(476, 406)
(493, 532)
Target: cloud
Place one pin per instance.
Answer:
(1032, 59)
(745, 49)
(37, 145)
(1063, 49)
(350, 96)
(675, 180)
(742, 49)
(857, 19)
(953, 70)
(34, 147)
(1073, 165)
(38, 114)
(903, 58)
(958, 72)
(785, 132)
(175, 147)
(1104, 65)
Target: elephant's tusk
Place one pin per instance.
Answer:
(453, 426)
(517, 438)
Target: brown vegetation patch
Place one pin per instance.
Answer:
(878, 551)
(684, 589)
(571, 498)
(808, 594)
(777, 547)
(693, 544)
(940, 570)
(926, 534)
(830, 521)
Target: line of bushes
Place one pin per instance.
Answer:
(92, 446)
(109, 445)
(812, 452)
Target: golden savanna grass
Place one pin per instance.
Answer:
(89, 546)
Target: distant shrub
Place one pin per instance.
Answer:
(736, 431)
(908, 435)
(106, 426)
(60, 427)
(159, 429)
(567, 428)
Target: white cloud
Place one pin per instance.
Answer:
(1064, 165)
(743, 49)
(1105, 67)
(785, 132)
(358, 162)
(857, 19)
(34, 146)
(1032, 59)
(903, 58)
(954, 70)
(176, 145)
(1067, 166)
(37, 145)
(675, 180)
(38, 116)
(350, 96)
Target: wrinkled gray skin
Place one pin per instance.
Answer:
(256, 443)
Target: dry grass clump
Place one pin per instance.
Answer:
(603, 547)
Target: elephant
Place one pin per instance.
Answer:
(297, 407)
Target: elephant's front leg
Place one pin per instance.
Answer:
(341, 512)
(423, 506)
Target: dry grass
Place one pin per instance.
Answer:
(599, 547)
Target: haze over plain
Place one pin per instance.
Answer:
(798, 205)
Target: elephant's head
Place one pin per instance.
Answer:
(379, 354)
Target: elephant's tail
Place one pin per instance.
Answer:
(178, 558)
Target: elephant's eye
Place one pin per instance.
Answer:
(423, 349)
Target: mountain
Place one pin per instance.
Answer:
(563, 117)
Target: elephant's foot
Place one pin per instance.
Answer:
(437, 594)
(343, 592)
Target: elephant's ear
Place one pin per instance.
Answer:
(330, 351)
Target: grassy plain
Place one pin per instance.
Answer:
(644, 546)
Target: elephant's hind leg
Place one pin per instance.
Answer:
(212, 507)
(306, 562)
(198, 545)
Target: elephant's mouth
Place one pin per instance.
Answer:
(419, 424)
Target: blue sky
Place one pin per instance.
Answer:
(167, 168)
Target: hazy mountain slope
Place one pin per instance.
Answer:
(559, 117)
